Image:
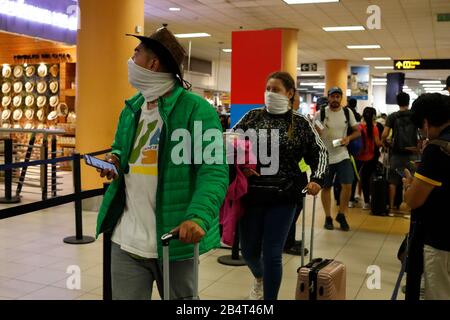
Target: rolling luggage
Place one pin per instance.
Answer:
(165, 239)
(379, 195)
(320, 279)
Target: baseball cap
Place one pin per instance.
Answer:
(335, 90)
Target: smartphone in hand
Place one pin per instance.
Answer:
(99, 164)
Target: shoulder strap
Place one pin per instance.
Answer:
(322, 114)
(347, 116)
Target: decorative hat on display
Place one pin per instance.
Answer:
(18, 86)
(41, 101)
(18, 71)
(6, 71)
(54, 100)
(42, 70)
(54, 70)
(6, 114)
(29, 114)
(17, 115)
(6, 101)
(41, 87)
(41, 114)
(29, 71)
(6, 87)
(164, 44)
(54, 86)
(29, 100)
(17, 101)
(29, 86)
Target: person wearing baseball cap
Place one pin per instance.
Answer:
(153, 192)
(334, 123)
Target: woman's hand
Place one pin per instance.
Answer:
(313, 188)
(248, 172)
(407, 180)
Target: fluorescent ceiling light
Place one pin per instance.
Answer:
(28, 12)
(226, 50)
(348, 93)
(384, 67)
(344, 28)
(365, 46)
(174, 9)
(308, 1)
(312, 84)
(433, 85)
(377, 58)
(379, 83)
(379, 79)
(192, 35)
(309, 74)
(318, 87)
(405, 87)
(430, 81)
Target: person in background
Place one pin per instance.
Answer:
(351, 104)
(366, 159)
(334, 135)
(322, 102)
(265, 224)
(447, 85)
(152, 195)
(403, 147)
(427, 193)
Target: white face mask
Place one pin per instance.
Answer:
(151, 84)
(276, 103)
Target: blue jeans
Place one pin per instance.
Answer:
(263, 232)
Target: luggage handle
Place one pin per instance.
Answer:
(165, 240)
(304, 191)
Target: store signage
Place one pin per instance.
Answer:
(422, 64)
(28, 12)
(308, 67)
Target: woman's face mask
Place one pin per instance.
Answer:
(276, 103)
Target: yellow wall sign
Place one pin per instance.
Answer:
(422, 64)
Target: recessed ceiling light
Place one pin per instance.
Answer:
(308, 1)
(226, 50)
(430, 81)
(365, 46)
(174, 9)
(192, 35)
(377, 58)
(384, 67)
(344, 28)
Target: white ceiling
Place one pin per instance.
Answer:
(409, 28)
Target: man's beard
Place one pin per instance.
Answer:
(334, 105)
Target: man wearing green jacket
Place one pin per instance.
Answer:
(153, 192)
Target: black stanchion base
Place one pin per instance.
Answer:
(74, 240)
(15, 199)
(229, 261)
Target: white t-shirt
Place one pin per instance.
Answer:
(335, 128)
(136, 230)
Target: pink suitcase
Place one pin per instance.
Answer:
(320, 279)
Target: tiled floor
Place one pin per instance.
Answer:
(34, 260)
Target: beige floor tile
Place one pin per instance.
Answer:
(14, 289)
(367, 294)
(89, 296)
(207, 297)
(64, 263)
(14, 270)
(8, 255)
(227, 291)
(240, 275)
(37, 260)
(88, 283)
(98, 291)
(53, 293)
(44, 276)
(96, 271)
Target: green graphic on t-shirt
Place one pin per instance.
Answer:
(137, 150)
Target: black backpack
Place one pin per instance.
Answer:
(405, 133)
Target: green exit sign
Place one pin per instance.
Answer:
(441, 17)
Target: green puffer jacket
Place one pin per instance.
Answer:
(185, 191)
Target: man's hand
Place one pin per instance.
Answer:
(189, 232)
(110, 174)
(313, 188)
(407, 180)
(345, 141)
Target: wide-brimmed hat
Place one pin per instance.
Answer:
(18, 71)
(54, 70)
(6, 87)
(18, 86)
(41, 101)
(29, 100)
(6, 71)
(6, 101)
(62, 109)
(41, 114)
(6, 125)
(29, 114)
(29, 86)
(54, 100)
(18, 114)
(41, 126)
(17, 101)
(6, 114)
(53, 86)
(28, 126)
(164, 44)
(42, 70)
(29, 71)
(52, 115)
(41, 86)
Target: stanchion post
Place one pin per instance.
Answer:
(44, 167)
(235, 259)
(107, 289)
(53, 156)
(8, 174)
(78, 238)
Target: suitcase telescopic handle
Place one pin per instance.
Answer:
(304, 191)
(165, 240)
